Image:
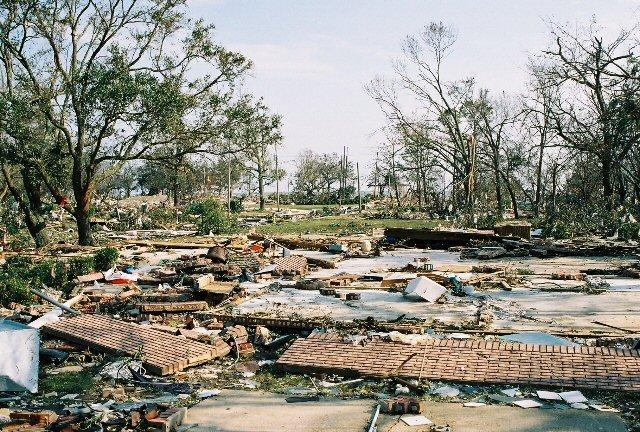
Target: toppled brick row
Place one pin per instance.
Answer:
(279, 323)
(469, 361)
(188, 306)
(160, 352)
(294, 264)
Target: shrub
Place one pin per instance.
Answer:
(237, 205)
(159, 217)
(213, 217)
(80, 265)
(105, 258)
(14, 289)
(629, 231)
(556, 228)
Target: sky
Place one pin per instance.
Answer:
(312, 59)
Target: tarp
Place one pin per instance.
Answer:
(19, 357)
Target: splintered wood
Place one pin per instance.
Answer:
(161, 353)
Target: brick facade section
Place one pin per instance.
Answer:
(161, 352)
(470, 361)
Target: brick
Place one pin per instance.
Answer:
(35, 418)
(161, 352)
(168, 420)
(474, 361)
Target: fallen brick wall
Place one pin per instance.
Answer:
(160, 352)
(470, 361)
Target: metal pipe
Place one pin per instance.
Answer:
(54, 302)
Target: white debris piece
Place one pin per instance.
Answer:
(510, 392)
(119, 369)
(603, 408)
(425, 288)
(409, 339)
(400, 389)
(579, 406)
(118, 276)
(19, 365)
(446, 391)
(204, 393)
(416, 420)
(460, 336)
(548, 395)
(573, 397)
(473, 404)
(527, 403)
(102, 407)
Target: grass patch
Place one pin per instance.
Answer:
(67, 382)
(346, 224)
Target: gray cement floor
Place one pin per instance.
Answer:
(244, 411)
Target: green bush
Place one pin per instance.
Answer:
(237, 205)
(14, 289)
(105, 258)
(19, 273)
(629, 231)
(80, 265)
(212, 217)
(159, 217)
(557, 229)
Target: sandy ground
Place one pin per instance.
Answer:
(243, 411)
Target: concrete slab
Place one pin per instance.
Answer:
(501, 418)
(243, 411)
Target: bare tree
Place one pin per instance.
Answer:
(440, 105)
(594, 79)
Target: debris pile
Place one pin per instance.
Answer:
(170, 324)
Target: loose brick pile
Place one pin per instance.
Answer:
(161, 352)
(470, 361)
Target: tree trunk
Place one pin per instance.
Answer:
(261, 189)
(35, 222)
(622, 187)
(174, 192)
(83, 220)
(536, 204)
(554, 187)
(607, 187)
(498, 185)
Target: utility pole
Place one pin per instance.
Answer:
(343, 173)
(228, 185)
(277, 181)
(359, 194)
(375, 179)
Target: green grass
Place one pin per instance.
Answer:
(347, 224)
(67, 382)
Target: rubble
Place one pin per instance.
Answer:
(174, 322)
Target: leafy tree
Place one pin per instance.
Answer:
(114, 80)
